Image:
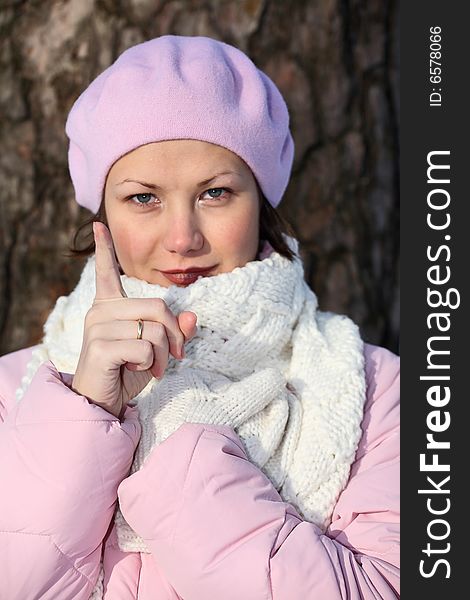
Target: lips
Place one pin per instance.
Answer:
(187, 276)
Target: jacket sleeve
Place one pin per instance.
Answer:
(218, 528)
(61, 461)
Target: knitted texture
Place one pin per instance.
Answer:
(287, 377)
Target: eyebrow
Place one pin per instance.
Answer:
(200, 184)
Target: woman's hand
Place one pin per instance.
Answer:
(114, 366)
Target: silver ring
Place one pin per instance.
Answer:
(140, 328)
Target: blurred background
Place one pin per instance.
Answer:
(336, 63)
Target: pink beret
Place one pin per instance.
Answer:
(179, 87)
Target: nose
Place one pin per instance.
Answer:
(183, 234)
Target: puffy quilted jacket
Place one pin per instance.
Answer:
(216, 527)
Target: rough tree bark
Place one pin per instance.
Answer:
(336, 63)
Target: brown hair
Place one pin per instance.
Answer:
(272, 228)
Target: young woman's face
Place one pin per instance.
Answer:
(184, 206)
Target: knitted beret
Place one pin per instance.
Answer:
(179, 87)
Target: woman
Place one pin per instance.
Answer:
(192, 426)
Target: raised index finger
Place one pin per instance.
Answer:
(108, 280)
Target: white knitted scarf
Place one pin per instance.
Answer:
(265, 361)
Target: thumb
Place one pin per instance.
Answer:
(187, 323)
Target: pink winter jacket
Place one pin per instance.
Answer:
(216, 527)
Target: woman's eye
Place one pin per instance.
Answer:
(145, 199)
(216, 193)
(142, 199)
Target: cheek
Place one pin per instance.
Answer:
(238, 237)
(130, 245)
